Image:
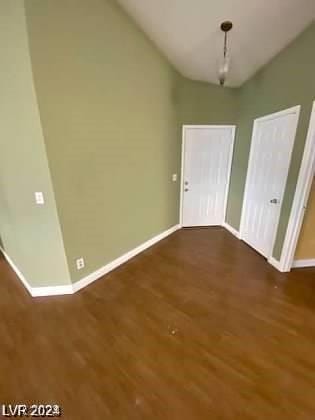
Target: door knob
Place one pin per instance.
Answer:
(186, 189)
(274, 201)
(186, 182)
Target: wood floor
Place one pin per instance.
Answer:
(197, 327)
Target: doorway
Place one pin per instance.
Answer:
(206, 165)
(300, 202)
(270, 156)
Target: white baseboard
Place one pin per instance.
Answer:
(73, 288)
(303, 263)
(17, 271)
(67, 289)
(38, 291)
(121, 260)
(231, 229)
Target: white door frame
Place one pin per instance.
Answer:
(302, 192)
(233, 127)
(294, 110)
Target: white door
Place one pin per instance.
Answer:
(207, 157)
(270, 157)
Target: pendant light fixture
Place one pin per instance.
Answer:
(225, 64)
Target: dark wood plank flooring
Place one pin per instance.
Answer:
(197, 327)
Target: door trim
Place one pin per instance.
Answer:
(184, 127)
(294, 110)
(301, 196)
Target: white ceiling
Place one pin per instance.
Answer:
(188, 32)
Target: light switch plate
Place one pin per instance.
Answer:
(39, 198)
(174, 177)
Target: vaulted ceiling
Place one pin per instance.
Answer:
(188, 32)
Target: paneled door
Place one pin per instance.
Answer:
(207, 157)
(270, 156)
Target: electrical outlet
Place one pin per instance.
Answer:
(80, 263)
(39, 198)
(174, 177)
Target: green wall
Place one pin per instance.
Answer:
(108, 105)
(30, 234)
(288, 80)
(205, 103)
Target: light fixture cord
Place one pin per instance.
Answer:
(225, 44)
